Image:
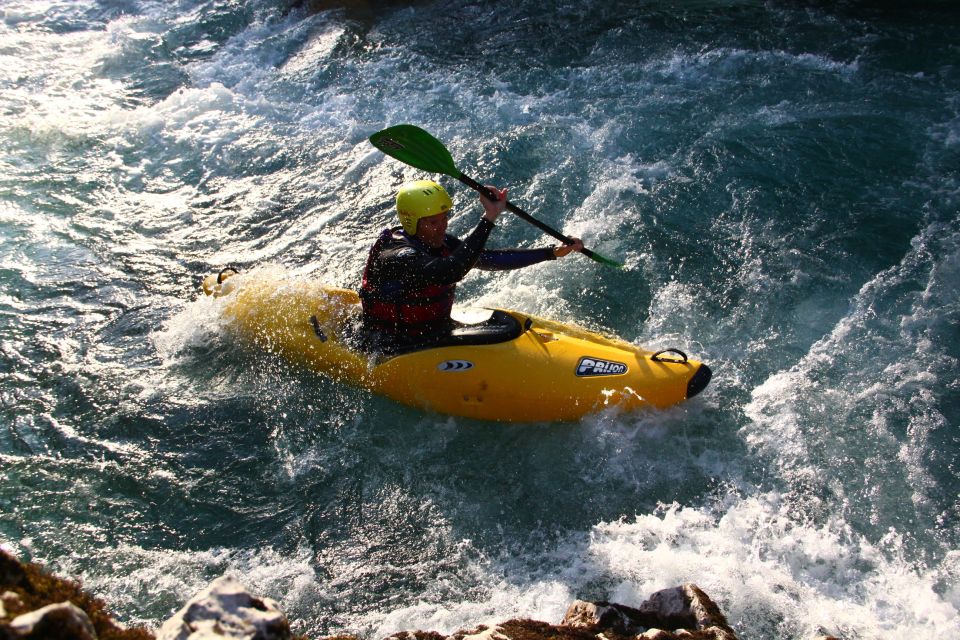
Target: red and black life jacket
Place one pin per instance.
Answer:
(392, 307)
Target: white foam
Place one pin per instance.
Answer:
(130, 577)
(724, 61)
(770, 573)
(317, 49)
(762, 565)
(676, 315)
(195, 324)
(794, 410)
(545, 601)
(36, 11)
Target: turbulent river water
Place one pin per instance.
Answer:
(782, 180)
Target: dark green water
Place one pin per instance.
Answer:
(782, 180)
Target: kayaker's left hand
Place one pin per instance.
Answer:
(493, 208)
(565, 249)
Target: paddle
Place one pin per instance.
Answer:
(417, 148)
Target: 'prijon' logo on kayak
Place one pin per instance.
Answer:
(455, 365)
(588, 367)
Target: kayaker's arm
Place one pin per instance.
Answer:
(506, 259)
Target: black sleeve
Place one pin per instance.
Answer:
(505, 259)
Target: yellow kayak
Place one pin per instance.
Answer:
(497, 365)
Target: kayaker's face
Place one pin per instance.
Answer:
(432, 230)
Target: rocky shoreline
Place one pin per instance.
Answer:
(36, 605)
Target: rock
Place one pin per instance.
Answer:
(510, 630)
(226, 609)
(483, 633)
(535, 630)
(708, 614)
(681, 613)
(64, 620)
(686, 610)
(606, 615)
(409, 635)
(10, 599)
(671, 608)
(12, 573)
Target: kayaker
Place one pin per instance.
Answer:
(412, 271)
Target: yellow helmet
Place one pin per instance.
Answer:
(420, 199)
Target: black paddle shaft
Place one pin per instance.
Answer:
(473, 184)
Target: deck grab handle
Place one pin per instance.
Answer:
(656, 357)
(223, 271)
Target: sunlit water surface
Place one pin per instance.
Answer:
(781, 180)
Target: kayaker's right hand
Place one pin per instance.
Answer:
(565, 249)
(493, 208)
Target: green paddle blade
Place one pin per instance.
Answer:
(415, 147)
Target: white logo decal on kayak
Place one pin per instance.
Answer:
(596, 367)
(455, 365)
